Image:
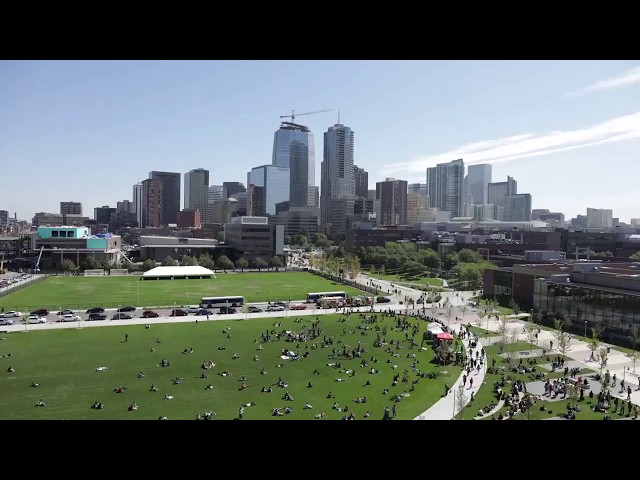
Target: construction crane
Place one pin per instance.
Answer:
(294, 114)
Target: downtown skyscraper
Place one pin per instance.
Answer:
(445, 187)
(293, 148)
(196, 191)
(337, 173)
(170, 196)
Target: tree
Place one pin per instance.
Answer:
(223, 263)
(531, 330)
(634, 335)
(188, 261)
(169, 262)
(89, 263)
(242, 263)
(635, 256)
(596, 335)
(468, 256)
(481, 314)
(503, 328)
(276, 262)
(353, 267)
(206, 261)
(514, 306)
(321, 240)
(603, 358)
(260, 263)
(459, 399)
(449, 312)
(287, 240)
(68, 265)
(563, 338)
(148, 264)
(221, 236)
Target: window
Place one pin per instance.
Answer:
(63, 233)
(54, 233)
(69, 233)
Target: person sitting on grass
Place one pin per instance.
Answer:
(153, 388)
(34, 384)
(204, 375)
(209, 387)
(168, 397)
(308, 406)
(133, 407)
(41, 403)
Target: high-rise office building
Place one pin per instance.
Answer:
(137, 205)
(215, 195)
(103, 214)
(229, 188)
(293, 148)
(392, 194)
(498, 191)
(419, 188)
(477, 183)
(417, 208)
(275, 181)
(445, 187)
(170, 195)
(599, 218)
(361, 177)
(196, 191)
(71, 208)
(337, 168)
(152, 203)
(517, 208)
(124, 206)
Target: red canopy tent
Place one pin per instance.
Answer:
(444, 336)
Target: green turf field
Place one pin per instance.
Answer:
(84, 292)
(64, 362)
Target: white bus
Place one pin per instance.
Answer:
(217, 302)
(314, 297)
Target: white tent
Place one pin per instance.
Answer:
(435, 328)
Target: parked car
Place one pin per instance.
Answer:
(97, 316)
(6, 321)
(96, 310)
(226, 311)
(282, 304)
(299, 306)
(150, 314)
(121, 316)
(179, 312)
(383, 300)
(43, 312)
(253, 309)
(204, 311)
(126, 309)
(10, 314)
(69, 318)
(193, 310)
(36, 319)
(275, 308)
(66, 312)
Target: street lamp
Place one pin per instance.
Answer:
(585, 329)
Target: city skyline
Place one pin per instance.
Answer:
(96, 125)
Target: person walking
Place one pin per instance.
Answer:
(126, 337)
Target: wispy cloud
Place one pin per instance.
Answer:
(626, 79)
(527, 145)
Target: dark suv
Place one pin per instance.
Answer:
(383, 300)
(96, 310)
(126, 309)
(97, 316)
(150, 314)
(43, 312)
(121, 316)
(179, 312)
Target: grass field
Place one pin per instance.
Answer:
(84, 292)
(64, 362)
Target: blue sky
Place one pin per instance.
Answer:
(567, 131)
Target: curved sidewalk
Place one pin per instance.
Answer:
(447, 407)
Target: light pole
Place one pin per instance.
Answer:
(585, 329)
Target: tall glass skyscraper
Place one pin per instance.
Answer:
(275, 181)
(338, 180)
(445, 187)
(293, 148)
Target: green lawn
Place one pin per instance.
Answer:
(436, 282)
(64, 362)
(83, 292)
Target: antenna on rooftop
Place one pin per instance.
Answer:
(338, 116)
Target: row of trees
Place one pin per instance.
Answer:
(222, 262)
(303, 239)
(90, 263)
(338, 267)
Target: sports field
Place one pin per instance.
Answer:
(58, 292)
(64, 361)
